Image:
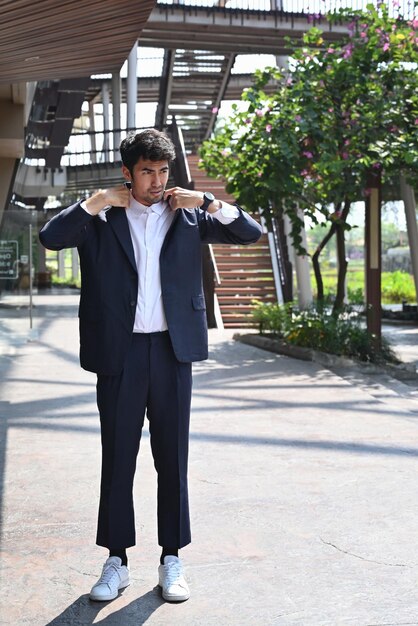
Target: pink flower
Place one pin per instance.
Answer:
(215, 110)
(268, 128)
(304, 173)
(351, 26)
(248, 120)
(363, 35)
(298, 118)
(289, 81)
(386, 47)
(260, 174)
(259, 112)
(347, 142)
(308, 154)
(377, 166)
(330, 50)
(330, 110)
(416, 121)
(348, 51)
(345, 155)
(225, 152)
(313, 17)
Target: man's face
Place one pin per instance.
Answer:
(149, 179)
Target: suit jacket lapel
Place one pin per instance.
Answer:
(116, 217)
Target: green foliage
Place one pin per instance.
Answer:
(397, 287)
(344, 111)
(343, 335)
(355, 296)
(65, 282)
(391, 236)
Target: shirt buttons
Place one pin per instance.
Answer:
(132, 303)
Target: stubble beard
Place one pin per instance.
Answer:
(156, 199)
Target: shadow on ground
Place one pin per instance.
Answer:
(83, 612)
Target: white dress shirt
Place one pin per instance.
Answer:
(148, 227)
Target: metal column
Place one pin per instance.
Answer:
(106, 124)
(132, 86)
(116, 102)
(74, 264)
(373, 242)
(408, 197)
(93, 144)
(61, 263)
(303, 275)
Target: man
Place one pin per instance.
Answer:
(142, 324)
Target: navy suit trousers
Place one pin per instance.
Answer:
(154, 382)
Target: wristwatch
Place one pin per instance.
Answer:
(208, 198)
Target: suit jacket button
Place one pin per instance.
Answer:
(132, 303)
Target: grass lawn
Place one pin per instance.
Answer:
(397, 287)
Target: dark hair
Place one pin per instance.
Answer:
(150, 144)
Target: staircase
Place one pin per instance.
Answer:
(245, 272)
(193, 83)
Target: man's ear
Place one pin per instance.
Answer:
(126, 173)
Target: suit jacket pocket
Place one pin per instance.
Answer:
(199, 303)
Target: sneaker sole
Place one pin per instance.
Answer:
(109, 597)
(169, 598)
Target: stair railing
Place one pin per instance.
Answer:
(215, 265)
(282, 268)
(311, 8)
(180, 167)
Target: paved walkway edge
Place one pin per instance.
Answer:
(403, 371)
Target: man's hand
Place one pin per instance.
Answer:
(115, 196)
(179, 198)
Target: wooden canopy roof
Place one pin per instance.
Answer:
(47, 39)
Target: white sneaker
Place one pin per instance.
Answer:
(172, 581)
(114, 576)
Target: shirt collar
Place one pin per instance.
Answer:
(158, 207)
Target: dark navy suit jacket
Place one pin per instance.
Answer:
(109, 279)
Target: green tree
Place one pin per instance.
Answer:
(343, 112)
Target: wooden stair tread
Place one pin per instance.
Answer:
(246, 272)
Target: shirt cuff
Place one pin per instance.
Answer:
(226, 214)
(102, 213)
(83, 206)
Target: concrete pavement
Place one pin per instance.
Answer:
(302, 483)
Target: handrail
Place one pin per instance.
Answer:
(313, 8)
(180, 167)
(215, 265)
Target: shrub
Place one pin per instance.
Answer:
(65, 282)
(398, 287)
(341, 334)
